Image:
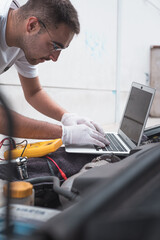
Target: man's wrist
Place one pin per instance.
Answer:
(63, 116)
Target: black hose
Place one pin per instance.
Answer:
(56, 186)
(65, 193)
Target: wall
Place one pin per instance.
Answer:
(93, 76)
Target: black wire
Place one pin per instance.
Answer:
(9, 167)
(11, 141)
(16, 144)
(50, 168)
(24, 146)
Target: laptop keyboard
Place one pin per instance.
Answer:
(114, 145)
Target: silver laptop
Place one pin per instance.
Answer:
(131, 127)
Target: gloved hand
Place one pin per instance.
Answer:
(82, 135)
(69, 119)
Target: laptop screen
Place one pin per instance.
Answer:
(135, 113)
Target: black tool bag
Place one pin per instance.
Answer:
(59, 164)
(42, 168)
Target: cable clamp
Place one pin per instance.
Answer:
(22, 167)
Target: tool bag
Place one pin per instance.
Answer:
(59, 163)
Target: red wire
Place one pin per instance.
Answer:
(60, 170)
(4, 139)
(1, 144)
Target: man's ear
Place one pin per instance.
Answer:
(33, 25)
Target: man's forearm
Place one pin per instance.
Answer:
(24, 127)
(39, 99)
(42, 102)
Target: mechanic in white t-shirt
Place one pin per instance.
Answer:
(29, 35)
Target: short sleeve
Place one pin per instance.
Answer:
(26, 69)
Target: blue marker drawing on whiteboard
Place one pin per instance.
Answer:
(94, 45)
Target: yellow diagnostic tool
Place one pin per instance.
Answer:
(37, 149)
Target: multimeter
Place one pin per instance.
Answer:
(37, 149)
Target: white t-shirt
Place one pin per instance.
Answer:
(12, 55)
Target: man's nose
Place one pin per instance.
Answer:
(54, 56)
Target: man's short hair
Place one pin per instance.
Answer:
(52, 13)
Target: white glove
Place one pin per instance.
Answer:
(82, 135)
(69, 119)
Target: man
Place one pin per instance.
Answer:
(31, 34)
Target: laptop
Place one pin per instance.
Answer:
(131, 126)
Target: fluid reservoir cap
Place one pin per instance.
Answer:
(19, 189)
